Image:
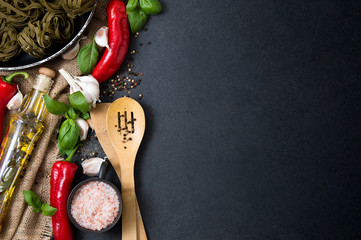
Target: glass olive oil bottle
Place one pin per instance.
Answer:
(24, 130)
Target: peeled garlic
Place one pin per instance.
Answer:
(83, 128)
(87, 85)
(73, 52)
(91, 166)
(16, 101)
(101, 37)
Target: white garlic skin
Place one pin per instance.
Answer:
(87, 85)
(91, 166)
(15, 102)
(73, 52)
(101, 37)
(83, 128)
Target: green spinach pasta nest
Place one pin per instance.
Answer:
(34, 26)
(9, 46)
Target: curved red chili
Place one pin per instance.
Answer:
(62, 176)
(118, 41)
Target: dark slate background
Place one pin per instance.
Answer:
(253, 121)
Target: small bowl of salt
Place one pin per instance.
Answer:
(95, 204)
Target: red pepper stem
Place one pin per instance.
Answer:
(70, 157)
(8, 79)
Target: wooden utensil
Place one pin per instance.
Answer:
(98, 115)
(125, 123)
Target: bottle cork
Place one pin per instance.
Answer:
(47, 72)
(44, 80)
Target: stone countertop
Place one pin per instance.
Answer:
(253, 121)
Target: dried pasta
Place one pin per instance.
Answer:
(34, 26)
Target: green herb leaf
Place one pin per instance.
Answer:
(48, 210)
(88, 57)
(68, 136)
(137, 20)
(151, 7)
(72, 152)
(72, 113)
(55, 107)
(85, 116)
(33, 200)
(78, 101)
(132, 5)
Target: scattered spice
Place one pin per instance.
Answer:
(127, 77)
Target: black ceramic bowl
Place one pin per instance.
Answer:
(24, 60)
(75, 189)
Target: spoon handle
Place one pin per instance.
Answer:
(129, 215)
(142, 235)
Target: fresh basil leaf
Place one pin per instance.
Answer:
(55, 107)
(64, 152)
(68, 136)
(151, 7)
(132, 5)
(88, 57)
(72, 113)
(78, 101)
(137, 20)
(85, 116)
(48, 210)
(33, 200)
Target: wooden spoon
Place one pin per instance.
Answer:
(98, 115)
(125, 123)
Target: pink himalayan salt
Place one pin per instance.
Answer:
(95, 205)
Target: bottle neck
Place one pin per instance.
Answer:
(34, 105)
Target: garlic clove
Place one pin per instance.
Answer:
(83, 128)
(101, 37)
(91, 166)
(87, 85)
(15, 102)
(90, 88)
(72, 52)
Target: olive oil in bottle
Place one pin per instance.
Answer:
(25, 128)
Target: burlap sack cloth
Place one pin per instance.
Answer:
(21, 223)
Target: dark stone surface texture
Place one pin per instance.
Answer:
(253, 121)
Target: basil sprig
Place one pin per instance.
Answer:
(55, 107)
(137, 20)
(78, 102)
(138, 11)
(34, 201)
(68, 137)
(88, 57)
(151, 7)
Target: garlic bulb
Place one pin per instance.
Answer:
(101, 37)
(87, 85)
(73, 52)
(16, 101)
(91, 166)
(83, 128)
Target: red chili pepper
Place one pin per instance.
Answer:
(7, 91)
(62, 176)
(118, 41)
